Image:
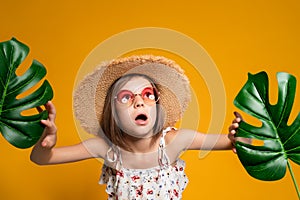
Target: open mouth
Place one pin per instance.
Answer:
(141, 117)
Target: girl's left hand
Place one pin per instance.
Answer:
(49, 136)
(233, 129)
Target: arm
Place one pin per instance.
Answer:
(218, 141)
(46, 156)
(192, 140)
(210, 142)
(45, 152)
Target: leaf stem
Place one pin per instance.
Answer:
(294, 180)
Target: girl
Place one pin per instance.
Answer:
(131, 105)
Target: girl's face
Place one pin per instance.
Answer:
(135, 106)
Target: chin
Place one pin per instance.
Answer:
(141, 132)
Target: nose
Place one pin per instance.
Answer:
(138, 101)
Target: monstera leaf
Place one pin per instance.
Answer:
(19, 130)
(280, 141)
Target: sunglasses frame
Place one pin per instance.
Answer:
(133, 95)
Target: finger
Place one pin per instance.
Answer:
(233, 126)
(234, 150)
(231, 135)
(238, 115)
(44, 143)
(230, 128)
(233, 141)
(51, 111)
(50, 125)
(236, 120)
(232, 132)
(45, 122)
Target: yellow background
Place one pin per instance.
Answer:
(240, 36)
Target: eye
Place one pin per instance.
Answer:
(148, 93)
(151, 97)
(125, 99)
(124, 96)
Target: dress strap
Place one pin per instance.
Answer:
(163, 158)
(116, 156)
(115, 159)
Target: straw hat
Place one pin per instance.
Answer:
(170, 79)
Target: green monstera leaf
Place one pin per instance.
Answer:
(280, 141)
(19, 130)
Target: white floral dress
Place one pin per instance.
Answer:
(162, 182)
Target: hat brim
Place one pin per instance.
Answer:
(172, 83)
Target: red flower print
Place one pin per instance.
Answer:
(138, 191)
(150, 191)
(135, 178)
(175, 192)
(120, 174)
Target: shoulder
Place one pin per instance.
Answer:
(182, 134)
(181, 138)
(171, 135)
(97, 146)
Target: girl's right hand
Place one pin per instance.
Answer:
(48, 138)
(44, 152)
(233, 129)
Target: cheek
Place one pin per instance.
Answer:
(121, 116)
(153, 114)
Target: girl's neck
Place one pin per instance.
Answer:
(142, 145)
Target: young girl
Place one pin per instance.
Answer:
(131, 105)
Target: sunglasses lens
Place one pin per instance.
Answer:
(148, 96)
(125, 97)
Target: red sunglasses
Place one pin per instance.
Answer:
(149, 95)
